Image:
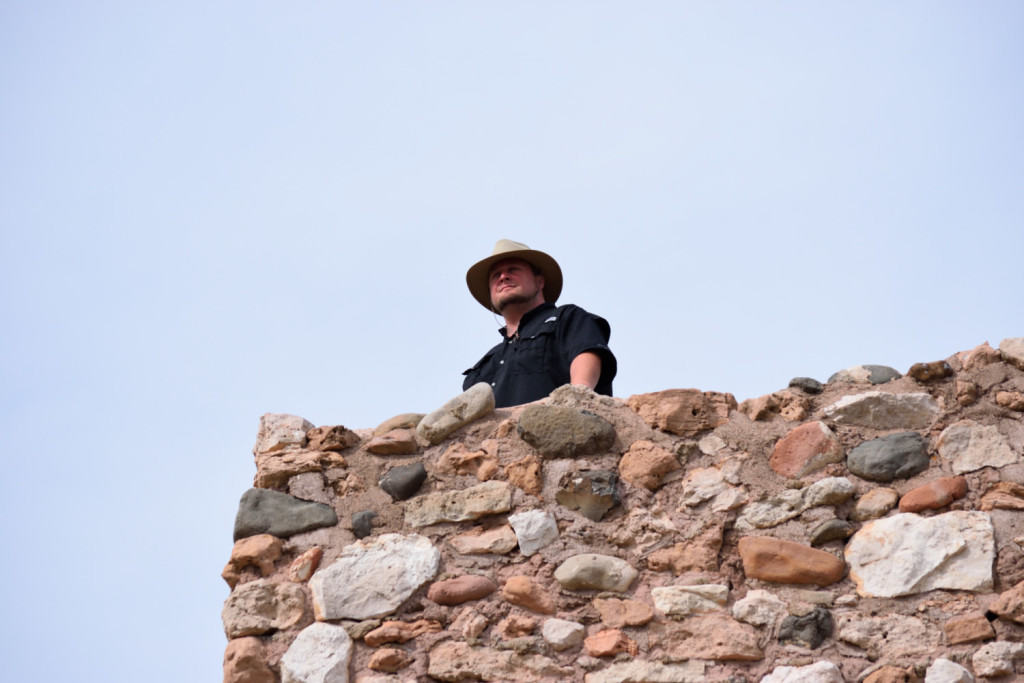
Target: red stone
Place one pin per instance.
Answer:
(608, 643)
(244, 662)
(395, 442)
(805, 449)
(968, 628)
(522, 591)
(645, 463)
(934, 495)
(462, 589)
(772, 559)
(400, 631)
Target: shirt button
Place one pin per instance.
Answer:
(492, 384)
(501, 362)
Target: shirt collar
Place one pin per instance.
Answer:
(529, 316)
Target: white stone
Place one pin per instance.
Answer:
(681, 601)
(639, 671)
(996, 659)
(702, 484)
(468, 406)
(971, 446)
(759, 608)
(278, 431)
(828, 491)
(906, 554)
(711, 444)
(562, 634)
(945, 671)
(789, 503)
(373, 577)
(882, 410)
(729, 499)
(819, 672)
(892, 635)
(534, 530)
(1013, 350)
(319, 654)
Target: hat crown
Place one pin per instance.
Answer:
(505, 246)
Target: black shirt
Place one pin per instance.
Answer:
(535, 361)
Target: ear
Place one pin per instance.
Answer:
(540, 283)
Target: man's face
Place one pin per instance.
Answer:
(514, 282)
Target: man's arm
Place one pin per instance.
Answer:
(585, 369)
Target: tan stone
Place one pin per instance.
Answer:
(403, 421)
(805, 449)
(683, 411)
(335, 438)
(461, 589)
(499, 540)
(1014, 400)
(260, 551)
(980, 356)
(457, 459)
(875, 503)
(697, 554)
(773, 559)
(516, 626)
(790, 405)
(389, 660)
(1004, 495)
(616, 613)
(892, 674)
(609, 643)
(244, 662)
(395, 442)
(645, 463)
(934, 495)
(457, 661)
(273, 470)
(303, 566)
(968, 628)
(262, 606)
(713, 636)
(525, 473)
(1010, 604)
(966, 392)
(522, 591)
(400, 631)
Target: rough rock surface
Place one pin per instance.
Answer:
(262, 511)
(263, 605)
(906, 554)
(278, 431)
(591, 492)
(534, 529)
(882, 410)
(971, 446)
(455, 661)
(488, 498)
(373, 577)
(319, 654)
(563, 432)
(683, 411)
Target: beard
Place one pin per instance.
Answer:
(512, 298)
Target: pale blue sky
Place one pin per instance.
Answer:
(212, 211)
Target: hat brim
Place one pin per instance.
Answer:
(478, 275)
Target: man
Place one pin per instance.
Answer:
(543, 346)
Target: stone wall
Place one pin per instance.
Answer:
(871, 528)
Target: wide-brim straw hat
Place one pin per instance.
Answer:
(478, 275)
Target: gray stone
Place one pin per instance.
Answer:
(564, 432)
(362, 523)
(591, 571)
(759, 608)
(996, 659)
(404, 481)
(866, 374)
(261, 606)
(1013, 351)
(470, 405)
(831, 530)
(971, 446)
(278, 431)
(896, 456)
(640, 671)
(906, 554)
(319, 654)
(789, 503)
(819, 672)
(682, 601)
(809, 630)
(373, 577)
(534, 530)
(262, 511)
(944, 671)
(562, 634)
(882, 410)
(807, 385)
(592, 492)
(489, 498)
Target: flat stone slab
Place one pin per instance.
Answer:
(262, 511)
(883, 410)
(489, 498)
(907, 554)
(470, 405)
(639, 671)
(458, 661)
(373, 577)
